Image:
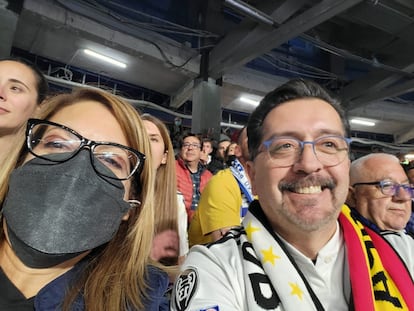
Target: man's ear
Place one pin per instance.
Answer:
(351, 197)
(252, 174)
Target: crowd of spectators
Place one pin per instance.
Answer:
(105, 208)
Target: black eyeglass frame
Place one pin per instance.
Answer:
(396, 186)
(84, 142)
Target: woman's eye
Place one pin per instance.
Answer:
(16, 88)
(54, 144)
(111, 162)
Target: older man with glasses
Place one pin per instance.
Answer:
(381, 194)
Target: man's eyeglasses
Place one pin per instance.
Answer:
(388, 187)
(193, 145)
(286, 151)
(45, 139)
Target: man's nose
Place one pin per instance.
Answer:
(307, 159)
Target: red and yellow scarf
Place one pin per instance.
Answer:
(379, 279)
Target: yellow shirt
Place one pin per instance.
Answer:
(219, 207)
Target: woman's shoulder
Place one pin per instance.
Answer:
(158, 289)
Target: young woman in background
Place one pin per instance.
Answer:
(22, 88)
(171, 239)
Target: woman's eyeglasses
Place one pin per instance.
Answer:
(45, 139)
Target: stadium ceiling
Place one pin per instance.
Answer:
(361, 50)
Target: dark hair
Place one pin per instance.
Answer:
(291, 90)
(190, 135)
(42, 86)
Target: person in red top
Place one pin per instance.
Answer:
(192, 176)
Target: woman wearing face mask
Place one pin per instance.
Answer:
(22, 88)
(78, 218)
(170, 241)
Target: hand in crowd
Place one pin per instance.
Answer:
(165, 245)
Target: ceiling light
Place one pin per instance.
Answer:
(362, 122)
(249, 101)
(105, 58)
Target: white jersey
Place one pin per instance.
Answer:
(229, 275)
(403, 244)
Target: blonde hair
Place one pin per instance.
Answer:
(116, 278)
(165, 183)
(9, 163)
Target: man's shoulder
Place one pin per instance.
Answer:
(231, 240)
(179, 164)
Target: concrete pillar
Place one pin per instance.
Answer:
(9, 16)
(206, 111)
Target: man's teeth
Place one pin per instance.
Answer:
(309, 190)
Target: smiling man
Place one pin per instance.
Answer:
(381, 194)
(299, 247)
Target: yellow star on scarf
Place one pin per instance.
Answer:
(250, 229)
(296, 290)
(269, 256)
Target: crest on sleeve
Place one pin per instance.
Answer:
(185, 287)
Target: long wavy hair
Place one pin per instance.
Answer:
(165, 183)
(115, 278)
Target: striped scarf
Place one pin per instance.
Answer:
(379, 279)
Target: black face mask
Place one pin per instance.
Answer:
(56, 211)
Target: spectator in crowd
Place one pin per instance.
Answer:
(230, 155)
(381, 195)
(299, 247)
(206, 150)
(221, 149)
(192, 176)
(78, 219)
(409, 169)
(218, 161)
(224, 200)
(22, 89)
(170, 241)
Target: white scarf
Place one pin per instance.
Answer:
(274, 279)
(240, 174)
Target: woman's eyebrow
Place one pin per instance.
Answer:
(19, 82)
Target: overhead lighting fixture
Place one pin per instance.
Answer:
(249, 101)
(362, 122)
(250, 11)
(105, 58)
